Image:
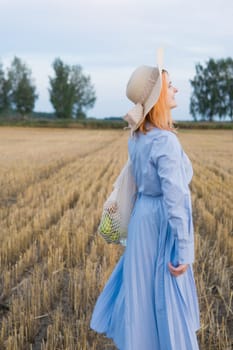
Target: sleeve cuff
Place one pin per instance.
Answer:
(185, 252)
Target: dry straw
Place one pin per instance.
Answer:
(53, 263)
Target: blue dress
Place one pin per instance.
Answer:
(143, 306)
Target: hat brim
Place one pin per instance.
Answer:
(152, 99)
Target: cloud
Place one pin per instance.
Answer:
(109, 38)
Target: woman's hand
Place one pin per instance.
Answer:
(179, 270)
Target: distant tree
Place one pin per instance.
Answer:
(62, 92)
(4, 91)
(213, 90)
(70, 90)
(22, 90)
(25, 96)
(84, 92)
(228, 78)
(2, 83)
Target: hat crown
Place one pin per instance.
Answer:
(143, 89)
(141, 83)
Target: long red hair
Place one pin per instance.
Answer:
(160, 115)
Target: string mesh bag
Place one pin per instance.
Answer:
(118, 207)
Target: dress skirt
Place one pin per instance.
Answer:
(143, 306)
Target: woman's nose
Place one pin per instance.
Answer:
(175, 89)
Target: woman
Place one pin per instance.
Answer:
(150, 300)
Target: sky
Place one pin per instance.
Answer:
(110, 38)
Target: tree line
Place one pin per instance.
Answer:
(71, 92)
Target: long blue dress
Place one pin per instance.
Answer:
(143, 306)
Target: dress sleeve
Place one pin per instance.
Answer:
(166, 156)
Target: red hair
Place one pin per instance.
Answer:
(160, 115)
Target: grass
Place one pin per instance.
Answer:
(93, 123)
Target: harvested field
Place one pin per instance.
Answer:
(53, 183)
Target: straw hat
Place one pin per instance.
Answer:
(143, 89)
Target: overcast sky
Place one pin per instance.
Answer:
(110, 38)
